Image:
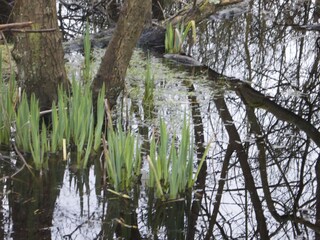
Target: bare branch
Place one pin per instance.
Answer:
(10, 26)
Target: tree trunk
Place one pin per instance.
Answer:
(114, 64)
(39, 54)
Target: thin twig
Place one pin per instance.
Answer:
(162, 10)
(49, 111)
(9, 26)
(21, 168)
(22, 158)
(33, 30)
(68, 236)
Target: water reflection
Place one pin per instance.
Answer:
(29, 202)
(281, 59)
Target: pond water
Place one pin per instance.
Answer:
(261, 171)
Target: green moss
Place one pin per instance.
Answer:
(7, 60)
(35, 41)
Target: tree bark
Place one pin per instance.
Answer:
(114, 64)
(39, 55)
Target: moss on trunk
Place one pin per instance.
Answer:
(39, 55)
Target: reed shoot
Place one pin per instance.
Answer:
(8, 98)
(34, 141)
(171, 165)
(23, 124)
(72, 119)
(122, 158)
(148, 84)
(176, 36)
(100, 119)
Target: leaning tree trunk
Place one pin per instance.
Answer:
(38, 52)
(114, 64)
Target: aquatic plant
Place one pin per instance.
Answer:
(99, 119)
(84, 162)
(55, 133)
(122, 158)
(171, 165)
(23, 124)
(72, 121)
(60, 123)
(148, 98)
(81, 118)
(181, 163)
(176, 36)
(148, 84)
(8, 98)
(28, 137)
(37, 141)
(159, 161)
(44, 146)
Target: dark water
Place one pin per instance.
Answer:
(257, 163)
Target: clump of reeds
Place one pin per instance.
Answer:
(60, 122)
(29, 137)
(176, 36)
(171, 164)
(23, 124)
(81, 118)
(8, 98)
(72, 119)
(148, 98)
(38, 140)
(122, 158)
(148, 84)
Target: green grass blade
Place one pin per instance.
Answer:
(23, 124)
(100, 119)
(157, 180)
(55, 128)
(35, 144)
(89, 144)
